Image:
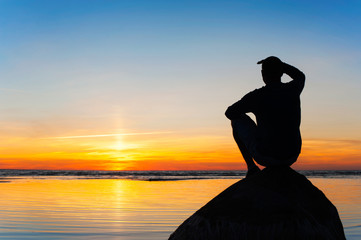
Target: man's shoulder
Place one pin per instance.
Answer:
(257, 90)
(255, 95)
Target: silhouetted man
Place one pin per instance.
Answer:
(276, 139)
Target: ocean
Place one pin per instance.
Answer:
(132, 205)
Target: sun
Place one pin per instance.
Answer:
(120, 144)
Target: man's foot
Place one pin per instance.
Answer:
(252, 171)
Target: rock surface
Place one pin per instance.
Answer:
(276, 203)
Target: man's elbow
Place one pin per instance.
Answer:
(302, 77)
(229, 113)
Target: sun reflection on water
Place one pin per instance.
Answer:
(68, 207)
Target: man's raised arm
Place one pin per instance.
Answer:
(297, 76)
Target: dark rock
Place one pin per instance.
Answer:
(276, 203)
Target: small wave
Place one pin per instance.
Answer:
(354, 226)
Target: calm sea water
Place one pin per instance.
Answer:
(110, 205)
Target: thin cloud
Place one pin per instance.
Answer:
(111, 135)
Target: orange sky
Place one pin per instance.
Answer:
(159, 151)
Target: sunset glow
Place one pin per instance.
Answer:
(161, 151)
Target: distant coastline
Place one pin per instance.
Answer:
(162, 175)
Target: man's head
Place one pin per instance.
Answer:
(272, 69)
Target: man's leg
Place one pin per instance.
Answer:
(244, 130)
